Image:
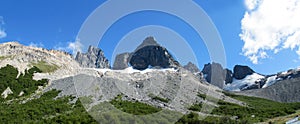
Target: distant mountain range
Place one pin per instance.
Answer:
(151, 55)
(148, 75)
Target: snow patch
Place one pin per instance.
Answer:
(270, 81)
(249, 80)
(131, 70)
(284, 73)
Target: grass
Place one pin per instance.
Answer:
(282, 119)
(258, 109)
(159, 98)
(5, 57)
(45, 109)
(196, 107)
(203, 96)
(136, 108)
(45, 67)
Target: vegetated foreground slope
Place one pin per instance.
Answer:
(47, 108)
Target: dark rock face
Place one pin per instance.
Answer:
(215, 74)
(152, 56)
(240, 72)
(149, 41)
(292, 73)
(191, 67)
(228, 76)
(94, 58)
(121, 61)
(148, 54)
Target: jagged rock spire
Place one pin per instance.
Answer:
(94, 58)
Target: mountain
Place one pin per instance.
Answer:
(148, 54)
(54, 64)
(283, 91)
(46, 86)
(169, 88)
(121, 61)
(94, 58)
(216, 74)
(191, 67)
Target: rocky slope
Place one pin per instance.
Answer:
(94, 58)
(283, 91)
(180, 87)
(24, 57)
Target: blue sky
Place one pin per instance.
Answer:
(54, 25)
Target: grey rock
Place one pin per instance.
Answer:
(292, 73)
(191, 67)
(149, 41)
(228, 76)
(240, 71)
(282, 91)
(215, 74)
(148, 54)
(94, 58)
(180, 87)
(121, 61)
(152, 56)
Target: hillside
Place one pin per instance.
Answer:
(48, 86)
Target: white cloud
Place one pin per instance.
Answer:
(75, 47)
(270, 25)
(72, 47)
(32, 44)
(251, 4)
(3, 34)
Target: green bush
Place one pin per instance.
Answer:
(159, 98)
(45, 109)
(133, 107)
(25, 83)
(257, 109)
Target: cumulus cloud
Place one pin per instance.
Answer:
(2, 30)
(72, 47)
(75, 47)
(270, 25)
(32, 44)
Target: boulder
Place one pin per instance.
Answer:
(6, 92)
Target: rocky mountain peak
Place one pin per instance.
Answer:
(151, 54)
(94, 58)
(214, 74)
(241, 71)
(13, 43)
(191, 67)
(121, 61)
(149, 41)
(148, 54)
